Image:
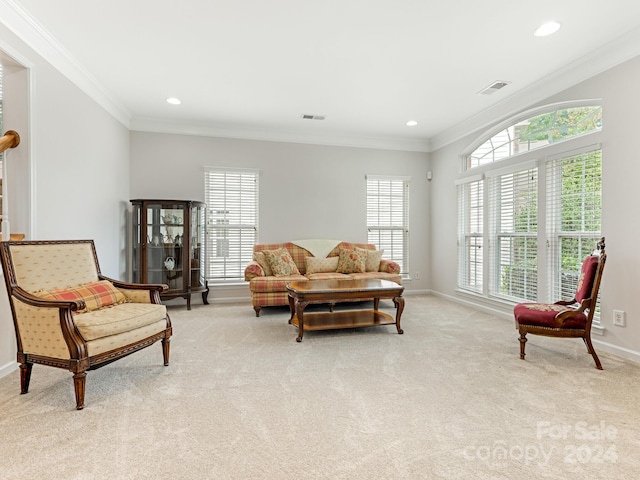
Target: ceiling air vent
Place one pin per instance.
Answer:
(494, 87)
(312, 117)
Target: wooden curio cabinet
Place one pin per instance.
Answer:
(168, 246)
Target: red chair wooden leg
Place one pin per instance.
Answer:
(592, 351)
(523, 340)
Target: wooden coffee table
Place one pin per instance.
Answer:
(303, 293)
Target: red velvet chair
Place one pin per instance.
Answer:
(566, 318)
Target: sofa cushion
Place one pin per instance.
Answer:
(352, 260)
(118, 319)
(329, 276)
(321, 265)
(281, 262)
(95, 295)
(392, 277)
(273, 284)
(262, 261)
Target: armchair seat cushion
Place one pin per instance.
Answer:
(118, 319)
(543, 315)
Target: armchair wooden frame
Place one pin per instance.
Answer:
(79, 361)
(575, 309)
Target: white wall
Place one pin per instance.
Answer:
(74, 175)
(618, 89)
(306, 191)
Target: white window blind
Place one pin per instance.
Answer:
(388, 217)
(513, 199)
(470, 235)
(232, 221)
(574, 185)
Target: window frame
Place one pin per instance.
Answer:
(240, 236)
(537, 158)
(376, 230)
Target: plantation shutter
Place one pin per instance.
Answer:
(470, 234)
(574, 185)
(388, 217)
(232, 221)
(513, 198)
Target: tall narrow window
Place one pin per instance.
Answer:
(388, 217)
(514, 230)
(231, 196)
(470, 235)
(574, 187)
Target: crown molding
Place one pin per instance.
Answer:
(22, 24)
(618, 51)
(154, 125)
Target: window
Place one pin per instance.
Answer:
(514, 234)
(529, 205)
(470, 234)
(537, 132)
(232, 221)
(388, 217)
(574, 184)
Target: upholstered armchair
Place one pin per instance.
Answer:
(68, 315)
(571, 318)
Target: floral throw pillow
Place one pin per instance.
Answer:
(281, 262)
(352, 260)
(372, 264)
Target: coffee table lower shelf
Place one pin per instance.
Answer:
(344, 319)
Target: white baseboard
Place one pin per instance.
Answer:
(8, 368)
(607, 347)
(478, 306)
(616, 350)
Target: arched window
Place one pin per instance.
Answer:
(529, 203)
(537, 132)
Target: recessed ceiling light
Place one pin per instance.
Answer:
(411, 123)
(173, 101)
(547, 29)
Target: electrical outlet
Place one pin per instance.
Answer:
(417, 275)
(619, 318)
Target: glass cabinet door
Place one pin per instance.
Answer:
(196, 245)
(165, 233)
(168, 246)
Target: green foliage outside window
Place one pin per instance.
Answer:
(560, 124)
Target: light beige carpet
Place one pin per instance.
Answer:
(241, 399)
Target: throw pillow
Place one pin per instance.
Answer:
(373, 260)
(95, 295)
(262, 261)
(281, 262)
(321, 265)
(352, 260)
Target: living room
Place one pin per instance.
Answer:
(78, 166)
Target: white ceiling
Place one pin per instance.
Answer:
(251, 68)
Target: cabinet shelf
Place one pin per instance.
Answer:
(170, 253)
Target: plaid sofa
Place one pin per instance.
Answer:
(272, 291)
